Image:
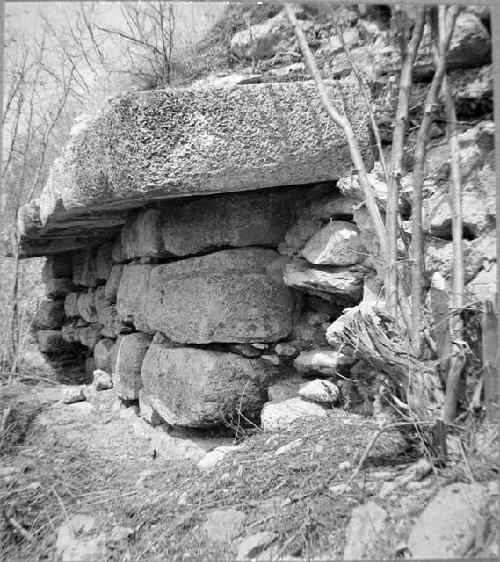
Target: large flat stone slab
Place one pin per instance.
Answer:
(232, 296)
(162, 144)
(199, 388)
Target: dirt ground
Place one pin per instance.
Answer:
(95, 457)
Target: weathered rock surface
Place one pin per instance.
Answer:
(148, 413)
(258, 41)
(445, 529)
(71, 305)
(112, 284)
(102, 380)
(334, 206)
(298, 235)
(484, 286)
(278, 416)
(191, 145)
(51, 341)
(133, 294)
(198, 388)
(58, 288)
(126, 359)
(86, 306)
(250, 547)
(228, 296)
(284, 389)
(104, 261)
(50, 314)
(367, 523)
(84, 268)
(338, 243)
(345, 285)
(233, 220)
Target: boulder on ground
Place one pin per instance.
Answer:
(50, 314)
(344, 284)
(230, 296)
(231, 220)
(223, 524)
(126, 361)
(279, 416)
(199, 388)
(325, 361)
(446, 527)
(338, 243)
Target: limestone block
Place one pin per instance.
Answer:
(84, 268)
(338, 243)
(87, 307)
(58, 288)
(231, 220)
(199, 388)
(112, 284)
(279, 416)
(133, 294)
(141, 235)
(126, 360)
(71, 305)
(346, 285)
(325, 361)
(57, 266)
(104, 261)
(102, 354)
(50, 314)
(51, 341)
(229, 296)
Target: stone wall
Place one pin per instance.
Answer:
(201, 304)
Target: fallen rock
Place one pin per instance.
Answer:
(223, 524)
(234, 296)
(199, 388)
(102, 380)
(126, 359)
(325, 361)
(367, 523)
(338, 243)
(320, 391)
(250, 547)
(73, 395)
(50, 314)
(445, 529)
(278, 416)
(345, 285)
